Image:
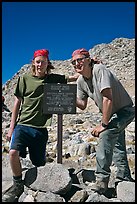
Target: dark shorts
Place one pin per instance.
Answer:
(33, 138)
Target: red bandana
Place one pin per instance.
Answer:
(81, 51)
(42, 52)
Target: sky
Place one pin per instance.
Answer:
(60, 27)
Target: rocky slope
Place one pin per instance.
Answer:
(79, 147)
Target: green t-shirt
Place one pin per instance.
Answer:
(31, 90)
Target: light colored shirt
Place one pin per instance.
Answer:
(103, 78)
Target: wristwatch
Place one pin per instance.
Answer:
(104, 125)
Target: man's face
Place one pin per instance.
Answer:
(79, 62)
(40, 63)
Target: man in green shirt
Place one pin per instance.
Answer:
(28, 122)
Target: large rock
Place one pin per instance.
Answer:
(126, 191)
(52, 177)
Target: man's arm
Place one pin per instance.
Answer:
(106, 112)
(14, 116)
(81, 103)
(73, 77)
(107, 105)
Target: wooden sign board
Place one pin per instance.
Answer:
(59, 98)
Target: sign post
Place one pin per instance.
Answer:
(59, 139)
(59, 99)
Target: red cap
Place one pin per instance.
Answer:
(42, 52)
(82, 51)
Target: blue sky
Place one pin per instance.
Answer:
(61, 28)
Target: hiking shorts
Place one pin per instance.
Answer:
(33, 138)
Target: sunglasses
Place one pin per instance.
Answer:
(78, 60)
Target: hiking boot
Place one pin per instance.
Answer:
(14, 192)
(99, 186)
